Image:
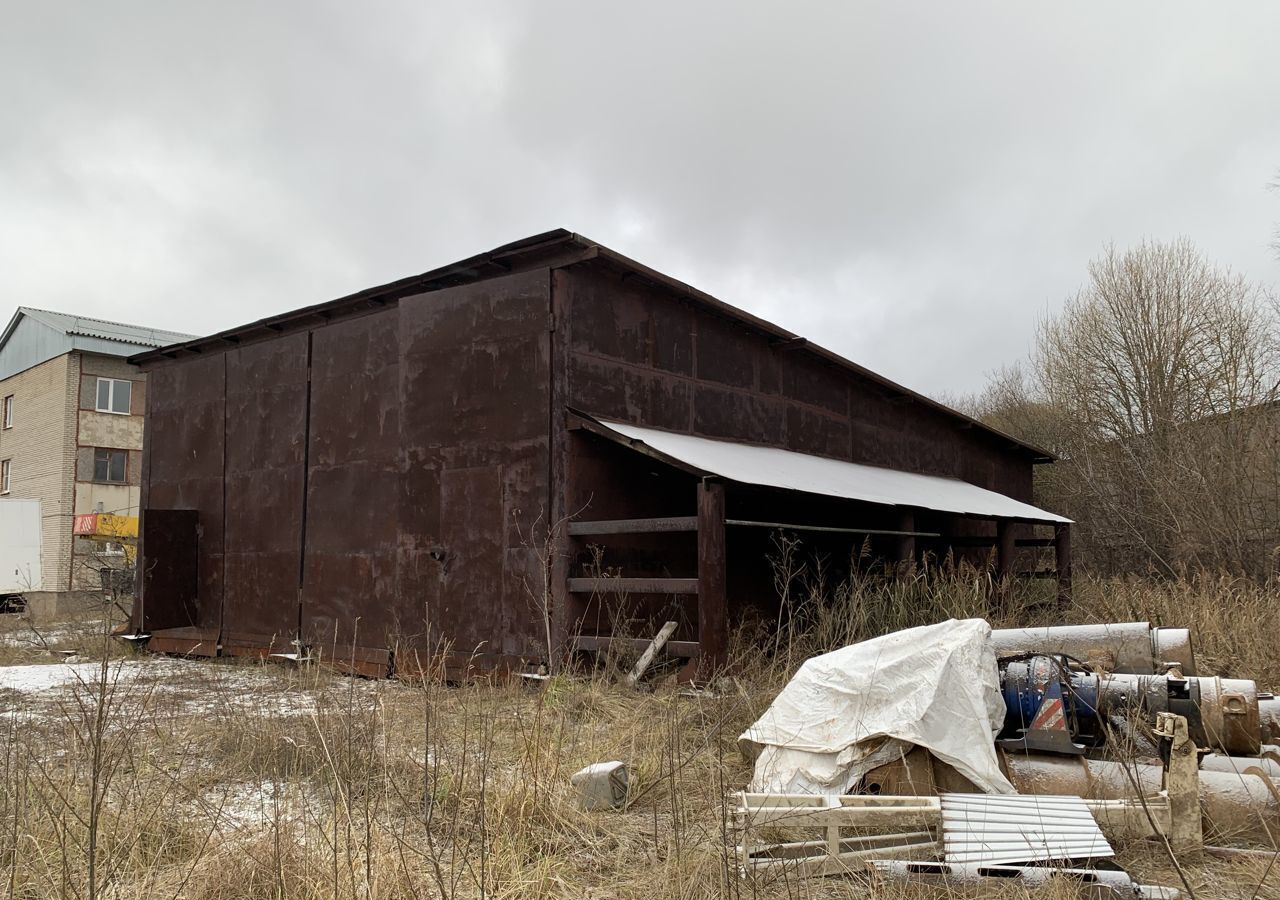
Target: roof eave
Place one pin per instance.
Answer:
(468, 270)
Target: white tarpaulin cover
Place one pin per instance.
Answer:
(844, 713)
(771, 467)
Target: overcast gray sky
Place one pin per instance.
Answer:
(909, 184)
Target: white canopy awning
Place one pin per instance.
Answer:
(771, 467)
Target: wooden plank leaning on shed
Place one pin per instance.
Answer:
(646, 658)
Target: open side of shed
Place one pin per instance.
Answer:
(693, 529)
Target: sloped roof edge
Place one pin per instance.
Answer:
(578, 248)
(87, 326)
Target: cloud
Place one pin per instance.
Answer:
(911, 186)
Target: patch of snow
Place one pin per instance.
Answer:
(250, 805)
(42, 678)
(182, 687)
(39, 637)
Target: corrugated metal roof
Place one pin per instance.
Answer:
(772, 467)
(105, 329)
(1019, 828)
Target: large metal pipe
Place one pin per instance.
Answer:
(1135, 648)
(1233, 806)
(1222, 713)
(1234, 803)
(1219, 762)
(1269, 718)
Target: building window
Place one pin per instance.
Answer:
(114, 396)
(6, 474)
(110, 465)
(8, 411)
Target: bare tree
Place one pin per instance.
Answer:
(1275, 234)
(1157, 387)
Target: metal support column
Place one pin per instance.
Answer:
(713, 620)
(1062, 554)
(905, 545)
(1004, 549)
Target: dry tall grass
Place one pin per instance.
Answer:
(213, 780)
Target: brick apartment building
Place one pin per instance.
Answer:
(71, 422)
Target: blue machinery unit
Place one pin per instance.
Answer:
(1048, 706)
(1055, 704)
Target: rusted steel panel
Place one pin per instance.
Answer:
(828, 435)
(372, 663)
(720, 356)
(810, 382)
(746, 386)
(169, 583)
(725, 414)
(475, 422)
(266, 425)
(631, 393)
(184, 641)
(184, 468)
(353, 488)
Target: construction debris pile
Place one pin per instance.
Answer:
(951, 750)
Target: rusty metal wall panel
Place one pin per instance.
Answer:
(633, 392)
(639, 354)
(475, 423)
(353, 484)
(265, 424)
(170, 583)
(184, 467)
(722, 413)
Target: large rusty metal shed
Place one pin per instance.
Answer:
(420, 472)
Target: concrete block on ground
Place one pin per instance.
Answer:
(602, 785)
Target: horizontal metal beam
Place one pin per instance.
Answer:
(635, 526)
(633, 585)
(597, 644)
(749, 523)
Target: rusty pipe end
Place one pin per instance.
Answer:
(1173, 645)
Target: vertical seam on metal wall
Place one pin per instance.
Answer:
(306, 473)
(222, 592)
(144, 496)
(554, 504)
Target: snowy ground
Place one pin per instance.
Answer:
(20, 635)
(175, 686)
